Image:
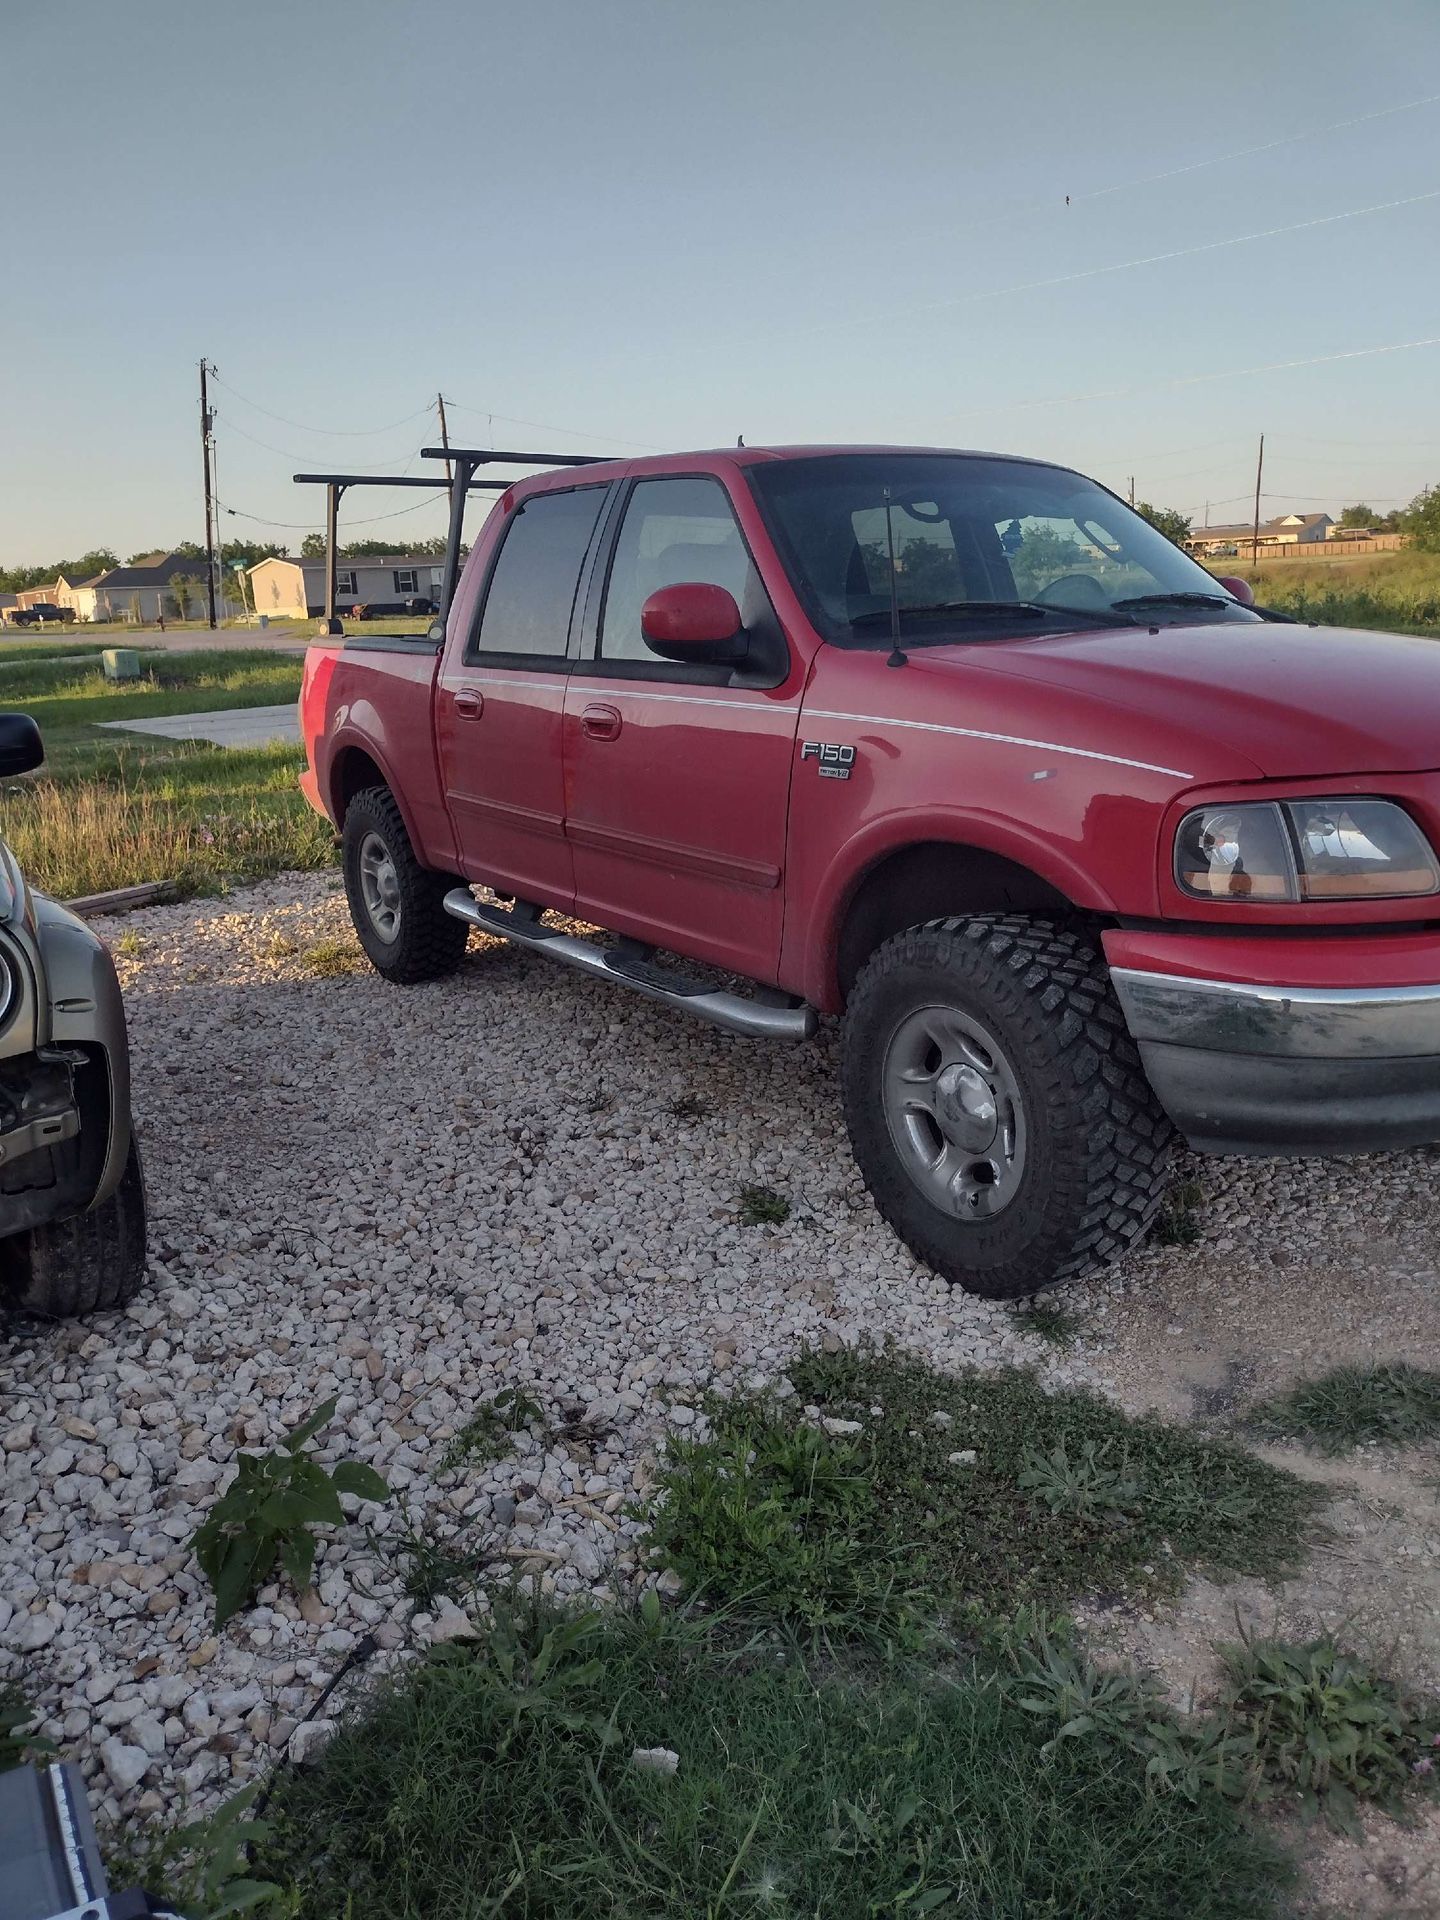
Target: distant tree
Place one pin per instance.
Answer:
(1042, 556)
(1358, 516)
(98, 560)
(183, 586)
(312, 547)
(1421, 520)
(1167, 520)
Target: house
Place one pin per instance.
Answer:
(9, 602)
(1289, 530)
(380, 582)
(139, 593)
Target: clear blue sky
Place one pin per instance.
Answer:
(663, 223)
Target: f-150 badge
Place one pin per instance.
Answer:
(834, 762)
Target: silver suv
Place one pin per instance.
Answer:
(72, 1196)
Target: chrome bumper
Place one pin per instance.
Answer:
(1258, 1069)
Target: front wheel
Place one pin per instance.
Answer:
(996, 1103)
(397, 905)
(81, 1265)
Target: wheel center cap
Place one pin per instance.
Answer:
(965, 1104)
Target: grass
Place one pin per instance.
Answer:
(1177, 1224)
(110, 811)
(1355, 1406)
(1397, 592)
(763, 1207)
(332, 959)
(497, 1779)
(1050, 1322)
(885, 1519)
(489, 1433)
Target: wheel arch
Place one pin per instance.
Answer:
(354, 767)
(928, 877)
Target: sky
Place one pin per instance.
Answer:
(657, 224)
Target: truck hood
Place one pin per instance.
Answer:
(1296, 701)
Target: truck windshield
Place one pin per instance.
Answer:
(973, 533)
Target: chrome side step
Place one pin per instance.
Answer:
(634, 968)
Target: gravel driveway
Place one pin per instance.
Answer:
(410, 1199)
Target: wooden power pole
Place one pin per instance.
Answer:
(1255, 531)
(444, 435)
(205, 429)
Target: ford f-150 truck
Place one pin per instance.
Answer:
(1083, 848)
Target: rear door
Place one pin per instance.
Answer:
(500, 702)
(677, 776)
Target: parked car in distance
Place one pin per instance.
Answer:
(72, 1195)
(1085, 850)
(43, 613)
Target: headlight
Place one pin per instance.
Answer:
(1304, 850)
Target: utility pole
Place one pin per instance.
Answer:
(206, 422)
(1255, 535)
(1132, 489)
(444, 435)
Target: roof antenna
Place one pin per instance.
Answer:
(896, 657)
(739, 439)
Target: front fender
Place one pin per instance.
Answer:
(82, 1005)
(894, 833)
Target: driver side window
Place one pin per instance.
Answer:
(674, 531)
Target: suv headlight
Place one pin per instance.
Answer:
(1304, 850)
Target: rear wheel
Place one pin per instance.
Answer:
(396, 904)
(997, 1105)
(81, 1265)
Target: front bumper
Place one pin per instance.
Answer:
(1242, 1067)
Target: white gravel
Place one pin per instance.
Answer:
(408, 1199)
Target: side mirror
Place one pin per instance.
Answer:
(1242, 589)
(693, 623)
(21, 748)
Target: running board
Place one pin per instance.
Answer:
(635, 969)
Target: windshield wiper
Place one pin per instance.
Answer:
(996, 609)
(1178, 600)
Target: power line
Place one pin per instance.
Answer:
(573, 433)
(312, 526)
(339, 433)
(287, 453)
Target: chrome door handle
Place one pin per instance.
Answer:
(469, 703)
(601, 723)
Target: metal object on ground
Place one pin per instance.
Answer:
(120, 663)
(50, 1865)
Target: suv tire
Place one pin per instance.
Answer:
(396, 904)
(997, 1105)
(86, 1263)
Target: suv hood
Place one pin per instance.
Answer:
(1296, 701)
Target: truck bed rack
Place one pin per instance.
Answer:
(462, 465)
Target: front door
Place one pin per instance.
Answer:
(499, 707)
(678, 777)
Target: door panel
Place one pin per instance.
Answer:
(677, 788)
(499, 707)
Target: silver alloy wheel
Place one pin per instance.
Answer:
(955, 1113)
(380, 888)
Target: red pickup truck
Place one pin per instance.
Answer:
(1084, 849)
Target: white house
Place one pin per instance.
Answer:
(1289, 530)
(379, 582)
(140, 593)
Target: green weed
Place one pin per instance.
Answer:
(1049, 1322)
(762, 1207)
(863, 1530)
(1351, 1406)
(18, 1739)
(266, 1513)
(332, 959)
(486, 1436)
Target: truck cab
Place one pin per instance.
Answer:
(1085, 851)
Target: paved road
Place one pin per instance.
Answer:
(230, 727)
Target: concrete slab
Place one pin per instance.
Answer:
(230, 727)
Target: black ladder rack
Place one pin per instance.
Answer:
(463, 464)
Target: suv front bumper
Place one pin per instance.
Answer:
(1242, 1067)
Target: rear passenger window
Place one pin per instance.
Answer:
(532, 585)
